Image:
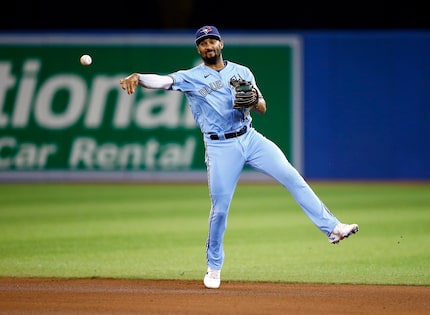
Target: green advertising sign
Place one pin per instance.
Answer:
(58, 117)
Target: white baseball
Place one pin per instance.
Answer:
(86, 60)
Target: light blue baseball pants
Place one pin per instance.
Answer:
(225, 160)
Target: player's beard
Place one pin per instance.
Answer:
(211, 60)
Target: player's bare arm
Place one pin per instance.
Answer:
(260, 107)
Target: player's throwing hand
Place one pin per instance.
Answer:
(130, 83)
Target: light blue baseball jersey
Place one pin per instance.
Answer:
(210, 96)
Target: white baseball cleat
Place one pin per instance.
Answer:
(342, 231)
(212, 278)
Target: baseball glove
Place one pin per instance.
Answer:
(246, 94)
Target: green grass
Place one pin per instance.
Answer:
(144, 231)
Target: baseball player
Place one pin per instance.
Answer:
(221, 95)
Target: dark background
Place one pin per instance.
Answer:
(186, 14)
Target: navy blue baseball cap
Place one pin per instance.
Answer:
(207, 32)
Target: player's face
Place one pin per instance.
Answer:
(210, 50)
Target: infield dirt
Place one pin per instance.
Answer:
(113, 296)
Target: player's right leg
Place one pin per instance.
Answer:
(224, 162)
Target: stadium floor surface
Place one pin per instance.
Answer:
(117, 296)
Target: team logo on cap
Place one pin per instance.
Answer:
(206, 30)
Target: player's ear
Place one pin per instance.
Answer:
(221, 44)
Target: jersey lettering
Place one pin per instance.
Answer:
(216, 85)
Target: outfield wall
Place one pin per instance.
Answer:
(367, 105)
(341, 105)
